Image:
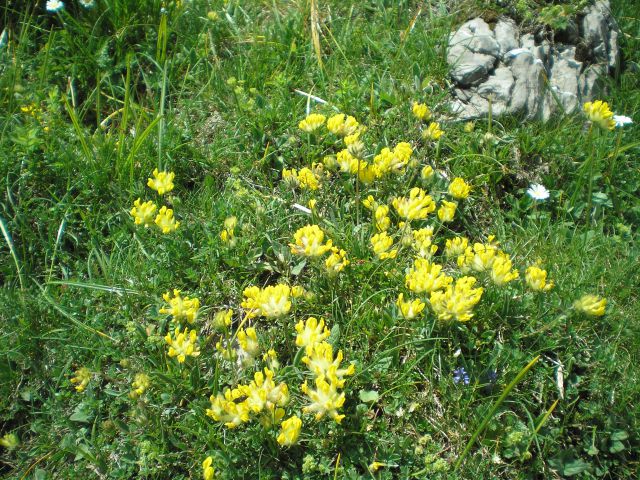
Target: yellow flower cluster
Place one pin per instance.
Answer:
(432, 132)
(162, 182)
(312, 123)
(208, 471)
(421, 111)
(143, 213)
(82, 377)
(592, 305)
(326, 398)
(536, 279)
(309, 242)
(381, 244)
(599, 114)
(484, 257)
(409, 309)
(458, 188)
(259, 397)
(289, 431)
(181, 309)
(140, 384)
(183, 344)
(271, 302)
(342, 125)
(416, 207)
(227, 235)
(456, 302)
(426, 277)
(306, 178)
(336, 262)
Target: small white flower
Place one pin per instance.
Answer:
(54, 5)
(538, 192)
(622, 120)
(87, 3)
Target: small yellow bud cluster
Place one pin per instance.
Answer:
(140, 384)
(306, 178)
(82, 377)
(183, 344)
(182, 309)
(227, 235)
(271, 302)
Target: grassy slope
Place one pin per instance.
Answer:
(66, 203)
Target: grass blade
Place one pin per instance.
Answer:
(12, 250)
(487, 418)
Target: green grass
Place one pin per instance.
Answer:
(123, 88)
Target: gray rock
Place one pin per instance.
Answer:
(529, 84)
(528, 41)
(471, 68)
(498, 86)
(564, 79)
(475, 36)
(506, 33)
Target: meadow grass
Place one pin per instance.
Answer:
(94, 100)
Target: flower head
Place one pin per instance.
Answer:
(271, 302)
(82, 377)
(447, 211)
(342, 125)
(140, 384)
(426, 277)
(432, 132)
(309, 242)
(10, 441)
(427, 172)
(181, 309)
(381, 244)
(599, 114)
(289, 431)
(312, 122)
(622, 120)
(538, 192)
(311, 332)
(166, 221)
(222, 319)
(162, 182)
(409, 309)
(421, 111)
(183, 344)
(460, 375)
(501, 270)
(456, 302)
(207, 470)
(54, 6)
(416, 207)
(336, 262)
(143, 213)
(536, 279)
(455, 246)
(592, 305)
(248, 341)
(458, 188)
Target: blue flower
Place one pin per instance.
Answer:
(460, 375)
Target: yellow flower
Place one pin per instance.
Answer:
(165, 220)
(297, 291)
(402, 153)
(370, 203)
(312, 122)
(456, 246)
(479, 258)
(319, 360)
(384, 162)
(336, 262)
(501, 270)
(469, 127)
(271, 357)
(183, 345)
(598, 113)
(207, 470)
(329, 162)
(432, 132)
(143, 213)
(381, 243)
(427, 172)
(10, 441)
(326, 400)
(222, 319)
(409, 309)
(458, 188)
(162, 182)
(591, 305)
(313, 331)
(248, 341)
(422, 242)
(536, 279)
(421, 111)
(290, 177)
(307, 179)
(347, 162)
(274, 302)
(229, 408)
(382, 221)
(289, 431)
(309, 242)
(367, 173)
(82, 378)
(417, 207)
(456, 302)
(139, 385)
(341, 125)
(447, 211)
(425, 277)
(375, 466)
(182, 309)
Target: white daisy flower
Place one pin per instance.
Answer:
(622, 120)
(87, 3)
(538, 192)
(54, 6)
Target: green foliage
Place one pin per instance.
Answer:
(93, 100)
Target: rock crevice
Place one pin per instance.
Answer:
(523, 75)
